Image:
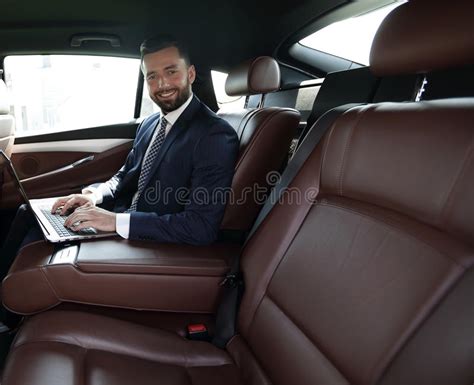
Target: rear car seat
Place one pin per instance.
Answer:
(265, 136)
(371, 283)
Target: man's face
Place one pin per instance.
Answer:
(168, 78)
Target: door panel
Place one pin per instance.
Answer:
(39, 158)
(55, 173)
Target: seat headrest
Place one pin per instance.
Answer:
(4, 105)
(257, 76)
(424, 35)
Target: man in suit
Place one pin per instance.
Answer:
(166, 190)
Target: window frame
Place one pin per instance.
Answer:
(316, 63)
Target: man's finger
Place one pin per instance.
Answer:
(68, 205)
(81, 225)
(79, 216)
(65, 207)
(73, 218)
(85, 207)
(59, 202)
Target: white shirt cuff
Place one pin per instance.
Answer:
(122, 225)
(96, 191)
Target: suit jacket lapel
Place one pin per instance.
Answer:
(177, 129)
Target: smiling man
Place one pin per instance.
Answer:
(183, 150)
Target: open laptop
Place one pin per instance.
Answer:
(52, 225)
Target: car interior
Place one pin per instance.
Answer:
(350, 261)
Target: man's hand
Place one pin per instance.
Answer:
(72, 202)
(91, 216)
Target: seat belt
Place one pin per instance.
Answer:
(233, 283)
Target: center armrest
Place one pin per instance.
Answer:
(119, 273)
(121, 256)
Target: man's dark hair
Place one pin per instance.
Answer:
(159, 42)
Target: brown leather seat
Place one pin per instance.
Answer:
(84, 348)
(7, 122)
(265, 137)
(371, 282)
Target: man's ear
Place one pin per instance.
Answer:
(191, 74)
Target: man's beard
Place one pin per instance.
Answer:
(183, 94)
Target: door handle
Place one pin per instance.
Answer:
(82, 161)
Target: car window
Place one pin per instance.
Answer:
(224, 101)
(51, 93)
(351, 38)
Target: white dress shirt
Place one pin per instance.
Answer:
(122, 221)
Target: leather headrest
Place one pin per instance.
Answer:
(4, 105)
(258, 76)
(424, 35)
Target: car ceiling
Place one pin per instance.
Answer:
(223, 33)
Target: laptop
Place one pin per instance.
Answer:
(52, 225)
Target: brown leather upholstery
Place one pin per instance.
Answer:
(265, 136)
(356, 286)
(7, 122)
(424, 35)
(258, 76)
(119, 273)
(367, 268)
(366, 277)
(434, 174)
(90, 349)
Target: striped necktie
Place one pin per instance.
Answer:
(148, 163)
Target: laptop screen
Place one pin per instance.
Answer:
(6, 167)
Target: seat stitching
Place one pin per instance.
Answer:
(57, 341)
(83, 371)
(245, 120)
(282, 257)
(265, 123)
(188, 375)
(42, 269)
(413, 324)
(186, 358)
(306, 335)
(449, 199)
(52, 340)
(343, 163)
(349, 254)
(360, 114)
(249, 72)
(393, 225)
(326, 146)
(244, 123)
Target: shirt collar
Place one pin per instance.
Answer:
(172, 116)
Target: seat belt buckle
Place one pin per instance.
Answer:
(232, 280)
(198, 332)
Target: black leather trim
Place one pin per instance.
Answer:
(122, 131)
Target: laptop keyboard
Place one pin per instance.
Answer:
(57, 221)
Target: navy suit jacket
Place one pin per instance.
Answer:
(179, 202)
